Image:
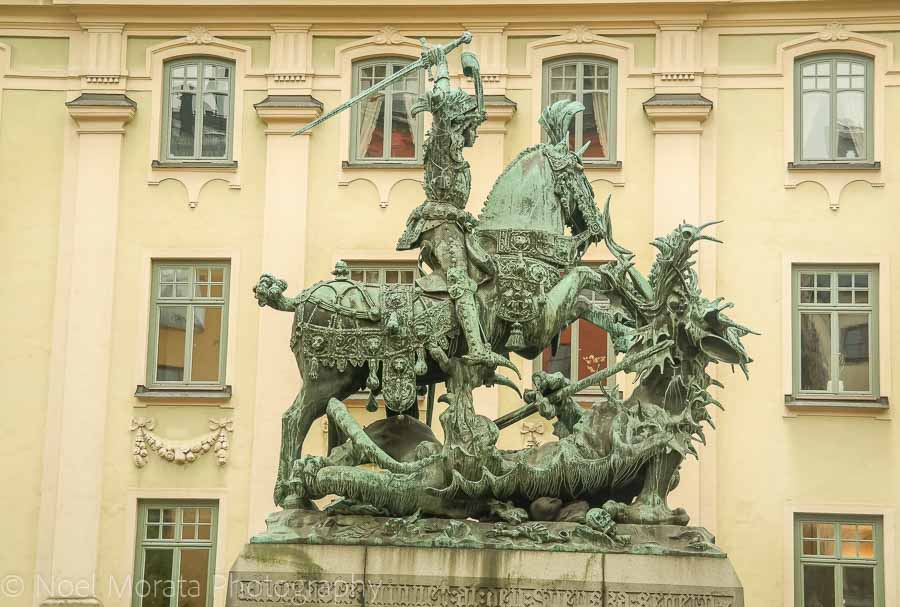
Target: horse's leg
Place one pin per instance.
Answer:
(565, 305)
(309, 406)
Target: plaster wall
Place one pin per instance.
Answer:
(28, 263)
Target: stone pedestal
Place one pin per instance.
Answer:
(455, 565)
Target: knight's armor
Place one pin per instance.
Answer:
(441, 226)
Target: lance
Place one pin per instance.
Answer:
(466, 38)
(591, 380)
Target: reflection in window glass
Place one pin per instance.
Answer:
(590, 82)
(835, 320)
(188, 324)
(175, 570)
(199, 109)
(834, 102)
(847, 571)
(815, 357)
(385, 126)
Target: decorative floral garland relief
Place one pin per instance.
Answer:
(180, 452)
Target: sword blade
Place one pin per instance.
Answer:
(466, 38)
(363, 95)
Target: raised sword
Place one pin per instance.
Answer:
(465, 38)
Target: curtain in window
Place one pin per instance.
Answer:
(403, 128)
(369, 115)
(601, 115)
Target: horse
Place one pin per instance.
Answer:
(536, 223)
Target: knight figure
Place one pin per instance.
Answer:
(440, 226)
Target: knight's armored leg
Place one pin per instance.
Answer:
(462, 293)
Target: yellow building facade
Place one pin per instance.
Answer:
(148, 177)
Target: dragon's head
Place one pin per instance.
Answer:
(700, 332)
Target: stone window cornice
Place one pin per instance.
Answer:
(835, 38)
(198, 42)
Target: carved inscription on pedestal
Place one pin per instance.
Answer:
(256, 590)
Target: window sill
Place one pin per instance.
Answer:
(211, 394)
(801, 403)
(417, 166)
(227, 166)
(602, 164)
(834, 166)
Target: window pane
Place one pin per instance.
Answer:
(854, 350)
(170, 343)
(205, 516)
(403, 126)
(370, 136)
(562, 362)
(216, 107)
(182, 110)
(818, 586)
(592, 349)
(596, 124)
(816, 112)
(815, 351)
(192, 583)
(207, 342)
(851, 125)
(155, 587)
(859, 587)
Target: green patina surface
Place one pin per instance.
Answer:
(509, 281)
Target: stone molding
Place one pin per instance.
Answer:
(678, 112)
(500, 110)
(99, 113)
(284, 114)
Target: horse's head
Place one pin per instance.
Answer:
(545, 188)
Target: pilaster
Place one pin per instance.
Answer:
(284, 254)
(489, 149)
(677, 125)
(678, 121)
(89, 240)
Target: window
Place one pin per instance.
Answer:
(384, 130)
(376, 275)
(188, 352)
(593, 83)
(834, 108)
(838, 561)
(835, 331)
(198, 110)
(584, 348)
(176, 554)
